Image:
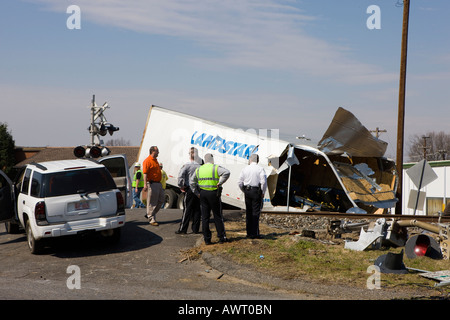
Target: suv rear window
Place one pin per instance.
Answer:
(76, 181)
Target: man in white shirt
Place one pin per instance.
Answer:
(253, 182)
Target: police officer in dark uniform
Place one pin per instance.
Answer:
(253, 182)
(207, 183)
(191, 203)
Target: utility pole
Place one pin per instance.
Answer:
(424, 147)
(377, 132)
(401, 107)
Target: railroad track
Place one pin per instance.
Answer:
(340, 215)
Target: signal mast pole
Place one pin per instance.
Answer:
(92, 128)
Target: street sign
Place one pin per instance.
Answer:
(421, 174)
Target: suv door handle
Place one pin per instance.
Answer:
(23, 201)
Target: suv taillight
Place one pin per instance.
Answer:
(39, 213)
(120, 204)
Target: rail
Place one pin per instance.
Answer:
(340, 215)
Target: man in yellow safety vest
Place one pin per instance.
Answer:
(138, 184)
(207, 183)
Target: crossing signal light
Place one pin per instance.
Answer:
(91, 152)
(79, 151)
(102, 131)
(105, 151)
(422, 245)
(111, 129)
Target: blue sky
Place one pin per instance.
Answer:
(271, 64)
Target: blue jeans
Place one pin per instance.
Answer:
(137, 198)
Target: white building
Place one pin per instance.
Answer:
(436, 193)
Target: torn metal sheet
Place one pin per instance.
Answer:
(347, 135)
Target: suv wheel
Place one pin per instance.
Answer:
(34, 245)
(111, 236)
(115, 238)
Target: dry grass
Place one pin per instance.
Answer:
(294, 257)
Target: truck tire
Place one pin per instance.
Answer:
(180, 201)
(170, 198)
(34, 245)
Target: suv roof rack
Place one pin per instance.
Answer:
(40, 166)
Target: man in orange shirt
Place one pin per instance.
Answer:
(153, 186)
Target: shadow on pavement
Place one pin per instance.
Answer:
(133, 237)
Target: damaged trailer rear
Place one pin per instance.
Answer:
(337, 183)
(345, 172)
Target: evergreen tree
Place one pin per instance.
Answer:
(7, 146)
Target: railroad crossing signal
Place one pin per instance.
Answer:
(99, 127)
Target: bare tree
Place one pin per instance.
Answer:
(432, 146)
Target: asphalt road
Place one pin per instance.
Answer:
(145, 265)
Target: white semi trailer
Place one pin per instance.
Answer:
(346, 172)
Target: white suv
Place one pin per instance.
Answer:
(67, 197)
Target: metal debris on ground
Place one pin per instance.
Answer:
(434, 243)
(442, 277)
(381, 233)
(391, 263)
